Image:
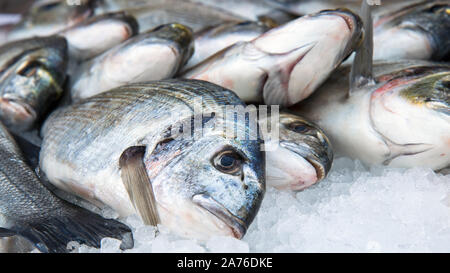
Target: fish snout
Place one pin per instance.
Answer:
(16, 114)
(236, 225)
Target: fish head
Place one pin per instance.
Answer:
(32, 83)
(411, 115)
(299, 155)
(208, 186)
(313, 46)
(419, 31)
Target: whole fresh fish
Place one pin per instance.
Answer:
(98, 34)
(123, 148)
(418, 31)
(30, 210)
(153, 13)
(216, 38)
(286, 64)
(47, 17)
(154, 55)
(395, 115)
(32, 72)
(298, 155)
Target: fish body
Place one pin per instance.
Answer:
(203, 186)
(31, 76)
(151, 14)
(154, 55)
(214, 39)
(286, 64)
(401, 121)
(298, 156)
(30, 210)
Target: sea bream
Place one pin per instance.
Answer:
(298, 153)
(28, 209)
(418, 31)
(154, 55)
(127, 148)
(47, 17)
(395, 115)
(152, 13)
(286, 64)
(32, 72)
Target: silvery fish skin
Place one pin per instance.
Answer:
(47, 17)
(214, 39)
(153, 13)
(300, 155)
(302, 7)
(31, 75)
(98, 34)
(195, 196)
(286, 64)
(402, 121)
(30, 210)
(419, 31)
(154, 55)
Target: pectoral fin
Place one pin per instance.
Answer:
(361, 73)
(137, 184)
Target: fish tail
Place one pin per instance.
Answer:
(52, 235)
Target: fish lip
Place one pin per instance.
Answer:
(321, 171)
(352, 20)
(209, 204)
(20, 111)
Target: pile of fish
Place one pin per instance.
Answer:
(183, 112)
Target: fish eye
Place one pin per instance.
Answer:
(228, 161)
(299, 127)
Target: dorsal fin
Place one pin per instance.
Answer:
(361, 73)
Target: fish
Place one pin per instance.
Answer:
(98, 34)
(253, 10)
(28, 209)
(298, 154)
(154, 55)
(286, 64)
(48, 17)
(32, 72)
(153, 13)
(418, 31)
(387, 113)
(213, 39)
(125, 149)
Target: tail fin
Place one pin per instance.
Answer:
(51, 235)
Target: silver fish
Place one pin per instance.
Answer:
(419, 31)
(397, 114)
(300, 155)
(47, 17)
(153, 13)
(30, 210)
(98, 34)
(122, 148)
(216, 38)
(154, 55)
(286, 64)
(31, 74)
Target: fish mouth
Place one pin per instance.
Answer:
(208, 203)
(314, 161)
(352, 20)
(17, 113)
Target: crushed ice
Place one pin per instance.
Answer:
(354, 210)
